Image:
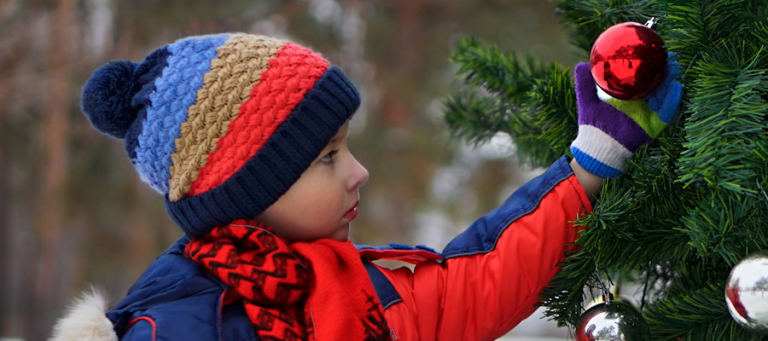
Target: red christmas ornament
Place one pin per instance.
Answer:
(628, 60)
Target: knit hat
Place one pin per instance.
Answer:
(221, 125)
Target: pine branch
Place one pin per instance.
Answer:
(760, 32)
(475, 118)
(659, 202)
(499, 73)
(727, 226)
(553, 102)
(637, 219)
(564, 294)
(696, 26)
(700, 314)
(727, 116)
(538, 118)
(586, 19)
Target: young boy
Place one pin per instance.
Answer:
(246, 137)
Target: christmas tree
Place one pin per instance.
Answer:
(692, 204)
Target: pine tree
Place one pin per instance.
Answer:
(691, 204)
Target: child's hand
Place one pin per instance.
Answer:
(611, 130)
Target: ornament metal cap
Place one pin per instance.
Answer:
(652, 21)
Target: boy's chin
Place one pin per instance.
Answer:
(342, 234)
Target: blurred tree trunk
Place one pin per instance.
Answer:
(410, 46)
(55, 137)
(399, 101)
(5, 233)
(5, 239)
(15, 48)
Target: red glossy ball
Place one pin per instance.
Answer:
(628, 60)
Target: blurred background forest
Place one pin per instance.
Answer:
(73, 212)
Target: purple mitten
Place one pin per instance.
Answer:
(611, 130)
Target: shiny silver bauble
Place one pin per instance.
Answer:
(617, 321)
(746, 292)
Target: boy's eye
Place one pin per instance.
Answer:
(328, 158)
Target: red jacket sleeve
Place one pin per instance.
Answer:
(494, 272)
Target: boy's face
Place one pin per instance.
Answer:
(323, 202)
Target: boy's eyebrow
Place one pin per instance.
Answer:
(331, 143)
(336, 139)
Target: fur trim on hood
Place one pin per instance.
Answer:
(85, 320)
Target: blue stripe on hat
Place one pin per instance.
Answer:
(175, 91)
(144, 77)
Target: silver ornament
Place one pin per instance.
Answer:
(614, 321)
(746, 292)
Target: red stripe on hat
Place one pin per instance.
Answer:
(291, 74)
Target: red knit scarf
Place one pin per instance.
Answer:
(302, 291)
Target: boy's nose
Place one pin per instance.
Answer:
(359, 175)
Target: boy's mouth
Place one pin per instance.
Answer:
(352, 213)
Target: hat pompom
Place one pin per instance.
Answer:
(107, 98)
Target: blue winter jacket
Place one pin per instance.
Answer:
(485, 282)
(175, 299)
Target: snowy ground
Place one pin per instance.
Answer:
(536, 328)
